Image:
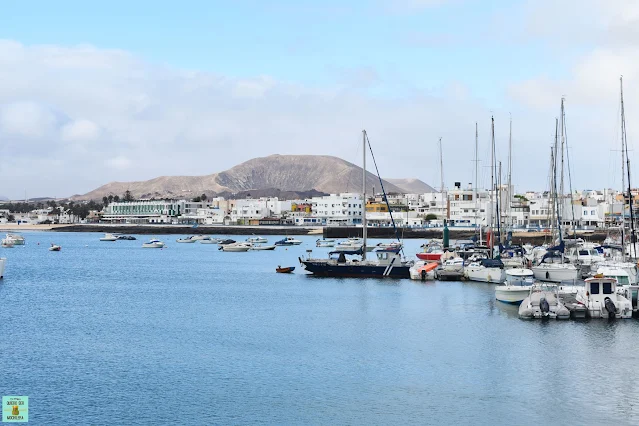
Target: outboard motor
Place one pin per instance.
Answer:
(423, 275)
(610, 307)
(544, 306)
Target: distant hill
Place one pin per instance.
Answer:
(285, 173)
(411, 186)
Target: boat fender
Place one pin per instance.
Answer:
(423, 275)
(544, 306)
(610, 307)
(547, 275)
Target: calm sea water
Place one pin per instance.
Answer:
(110, 333)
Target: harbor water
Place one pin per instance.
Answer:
(111, 333)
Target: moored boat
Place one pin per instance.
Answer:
(285, 270)
(3, 263)
(190, 240)
(235, 247)
(55, 247)
(486, 270)
(262, 247)
(17, 239)
(602, 300)
(153, 243)
(7, 243)
(256, 240)
(423, 270)
(516, 287)
(543, 302)
(109, 237)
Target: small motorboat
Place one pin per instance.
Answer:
(226, 241)
(190, 239)
(288, 241)
(55, 247)
(8, 243)
(154, 243)
(17, 239)
(262, 247)
(254, 240)
(235, 247)
(126, 237)
(209, 240)
(285, 270)
(423, 270)
(109, 237)
(325, 243)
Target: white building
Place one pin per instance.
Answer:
(146, 211)
(339, 209)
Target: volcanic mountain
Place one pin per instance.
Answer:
(285, 173)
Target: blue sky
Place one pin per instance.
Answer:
(103, 82)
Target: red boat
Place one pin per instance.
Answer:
(434, 256)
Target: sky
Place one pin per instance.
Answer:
(94, 92)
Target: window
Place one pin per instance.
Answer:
(594, 288)
(607, 288)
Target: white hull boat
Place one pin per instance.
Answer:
(256, 240)
(602, 300)
(109, 237)
(153, 244)
(555, 272)
(486, 270)
(55, 247)
(3, 262)
(423, 270)
(261, 247)
(237, 247)
(210, 241)
(517, 287)
(8, 243)
(543, 302)
(324, 243)
(200, 237)
(187, 240)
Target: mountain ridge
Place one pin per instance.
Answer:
(285, 173)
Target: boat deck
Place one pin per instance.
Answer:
(577, 309)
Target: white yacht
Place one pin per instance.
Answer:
(7, 243)
(602, 300)
(109, 237)
(293, 241)
(517, 286)
(453, 264)
(154, 243)
(486, 270)
(200, 237)
(190, 239)
(351, 244)
(543, 302)
(258, 247)
(209, 240)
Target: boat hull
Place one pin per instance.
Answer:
(3, 262)
(554, 274)
(485, 275)
(263, 248)
(354, 270)
(429, 256)
(186, 241)
(512, 294)
(153, 245)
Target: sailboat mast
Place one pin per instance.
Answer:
(510, 174)
(441, 175)
(492, 183)
(476, 175)
(563, 142)
(364, 230)
(624, 138)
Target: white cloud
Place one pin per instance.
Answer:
(100, 115)
(82, 131)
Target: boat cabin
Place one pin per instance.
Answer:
(598, 288)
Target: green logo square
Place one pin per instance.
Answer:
(15, 409)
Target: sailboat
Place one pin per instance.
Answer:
(488, 270)
(627, 265)
(553, 266)
(388, 263)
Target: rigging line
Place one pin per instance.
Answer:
(383, 191)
